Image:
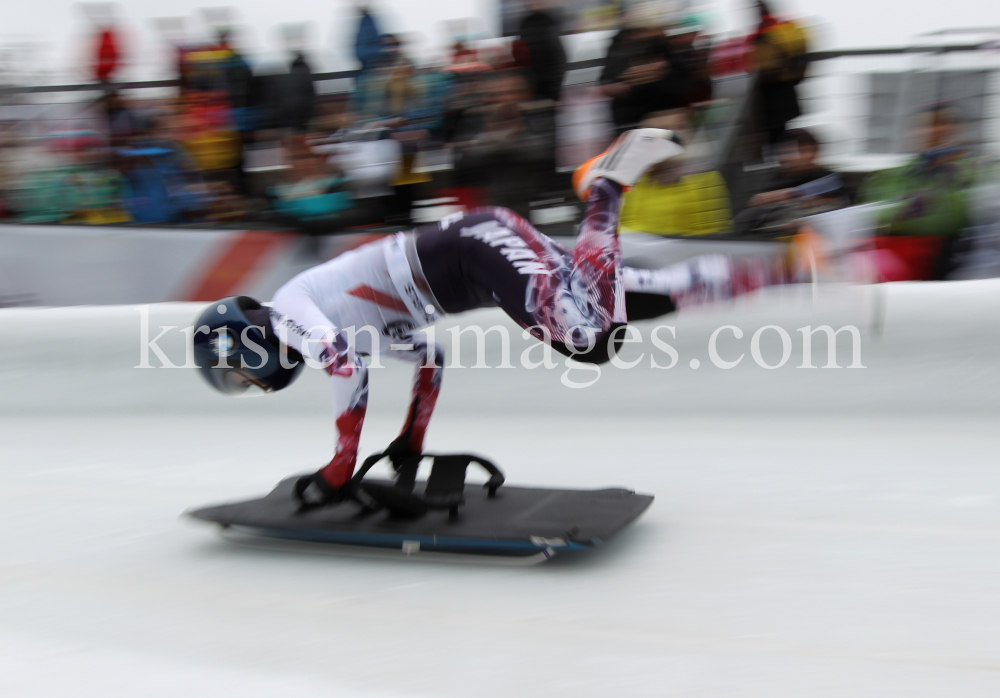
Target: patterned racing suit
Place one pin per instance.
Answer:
(377, 297)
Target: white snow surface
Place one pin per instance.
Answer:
(825, 532)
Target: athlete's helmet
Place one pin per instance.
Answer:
(237, 352)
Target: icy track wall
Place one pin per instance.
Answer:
(925, 348)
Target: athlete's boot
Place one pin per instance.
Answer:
(628, 158)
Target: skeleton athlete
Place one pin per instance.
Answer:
(491, 257)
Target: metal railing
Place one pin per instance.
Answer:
(149, 84)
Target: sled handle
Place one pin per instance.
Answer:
(492, 485)
(496, 477)
(366, 466)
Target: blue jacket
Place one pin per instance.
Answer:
(368, 43)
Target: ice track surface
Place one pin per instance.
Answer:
(815, 532)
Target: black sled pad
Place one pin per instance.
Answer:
(516, 521)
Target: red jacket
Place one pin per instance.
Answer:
(106, 61)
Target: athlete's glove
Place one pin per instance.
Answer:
(313, 491)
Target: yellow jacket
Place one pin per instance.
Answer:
(696, 205)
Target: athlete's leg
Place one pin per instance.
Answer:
(579, 298)
(709, 278)
(571, 300)
(493, 255)
(534, 279)
(428, 360)
(596, 279)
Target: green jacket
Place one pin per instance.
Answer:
(928, 196)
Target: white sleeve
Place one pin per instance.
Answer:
(299, 323)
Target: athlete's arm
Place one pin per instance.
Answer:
(299, 323)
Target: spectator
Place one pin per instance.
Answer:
(238, 83)
(465, 83)
(367, 41)
(676, 198)
(692, 53)
(393, 88)
(369, 87)
(546, 58)
(779, 50)
(206, 120)
(85, 189)
(799, 187)
(410, 103)
(641, 74)
(123, 122)
(463, 57)
(94, 193)
(300, 97)
(243, 95)
(107, 43)
(371, 163)
(927, 201)
(208, 133)
(164, 185)
(505, 144)
(312, 195)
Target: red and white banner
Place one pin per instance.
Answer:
(77, 265)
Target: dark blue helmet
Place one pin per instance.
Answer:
(237, 352)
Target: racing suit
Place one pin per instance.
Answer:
(377, 298)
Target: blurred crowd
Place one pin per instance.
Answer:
(235, 145)
(239, 145)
